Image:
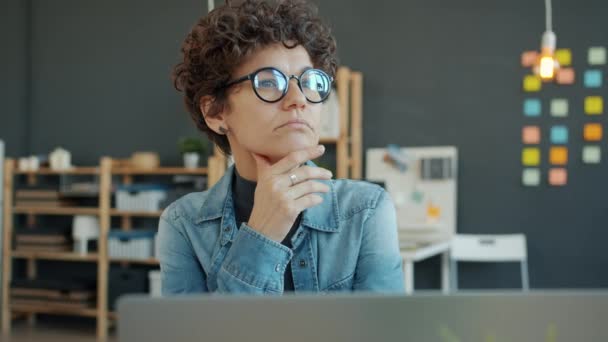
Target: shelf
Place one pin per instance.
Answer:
(74, 171)
(66, 256)
(328, 140)
(56, 210)
(160, 171)
(116, 212)
(150, 261)
(49, 309)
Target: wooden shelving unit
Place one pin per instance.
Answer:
(105, 171)
(66, 256)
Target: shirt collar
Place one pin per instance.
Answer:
(322, 217)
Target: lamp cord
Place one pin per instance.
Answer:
(548, 18)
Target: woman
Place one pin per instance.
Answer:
(254, 78)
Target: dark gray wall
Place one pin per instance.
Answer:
(448, 73)
(101, 73)
(436, 73)
(14, 64)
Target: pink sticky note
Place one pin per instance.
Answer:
(531, 135)
(558, 176)
(565, 76)
(529, 58)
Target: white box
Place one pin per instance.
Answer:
(155, 284)
(130, 245)
(139, 198)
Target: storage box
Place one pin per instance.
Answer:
(140, 197)
(131, 244)
(155, 285)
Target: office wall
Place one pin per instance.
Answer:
(448, 73)
(436, 73)
(101, 77)
(14, 27)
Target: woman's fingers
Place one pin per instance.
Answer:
(296, 158)
(305, 188)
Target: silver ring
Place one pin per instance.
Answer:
(293, 178)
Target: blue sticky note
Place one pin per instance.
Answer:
(532, 107)
(593, 78)
(559, 135)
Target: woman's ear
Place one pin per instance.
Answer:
(217, 122)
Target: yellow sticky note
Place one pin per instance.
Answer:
(532, 83)
(563, 56)
(558, 155)
(594, 105)
(530, 156)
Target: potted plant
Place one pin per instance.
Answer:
(191, 149)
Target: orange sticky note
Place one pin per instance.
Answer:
(558, 177)
(529, 58)
(594, 105)
(530, 156)
(530, 135)
(558, 155)
(564, 76)
(532, 83)
(593, 132)
(564, 57)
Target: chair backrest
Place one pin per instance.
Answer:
(491, 248)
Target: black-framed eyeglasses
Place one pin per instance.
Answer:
(271, 85)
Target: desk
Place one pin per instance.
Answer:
(411, 255)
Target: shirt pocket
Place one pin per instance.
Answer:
(345, 284)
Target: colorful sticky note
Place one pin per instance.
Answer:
(597, 55)
(530, 177)
(593, 78)
(558, 177)
(592, 132)
(594, 105)
(558, 155)
(532, 83)
(564, 76)
(532, 107)
(592, 154)
(529, 58)
(559, 134)
(530, 135)
(559, 107)
(530, 156)
(563, 56)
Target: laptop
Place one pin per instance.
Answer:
(534, 316)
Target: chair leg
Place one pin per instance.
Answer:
(524, 276)
(453, 276)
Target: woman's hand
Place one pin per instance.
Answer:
(278, 202)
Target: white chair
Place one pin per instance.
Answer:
(489, 248)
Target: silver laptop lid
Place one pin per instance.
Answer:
(534, 316)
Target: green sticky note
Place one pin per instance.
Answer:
(592, 154)
(559, 107)
(531, 177)
(597, 55)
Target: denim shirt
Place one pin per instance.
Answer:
(346, 243)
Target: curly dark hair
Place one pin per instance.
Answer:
(221, 40)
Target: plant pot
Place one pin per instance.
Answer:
(191, 160)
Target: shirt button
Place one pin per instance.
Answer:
(226, 229)
(302, 263)
(277, 268)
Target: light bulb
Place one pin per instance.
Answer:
(547, 66)
(547, 63)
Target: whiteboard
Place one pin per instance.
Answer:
(413, 193)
